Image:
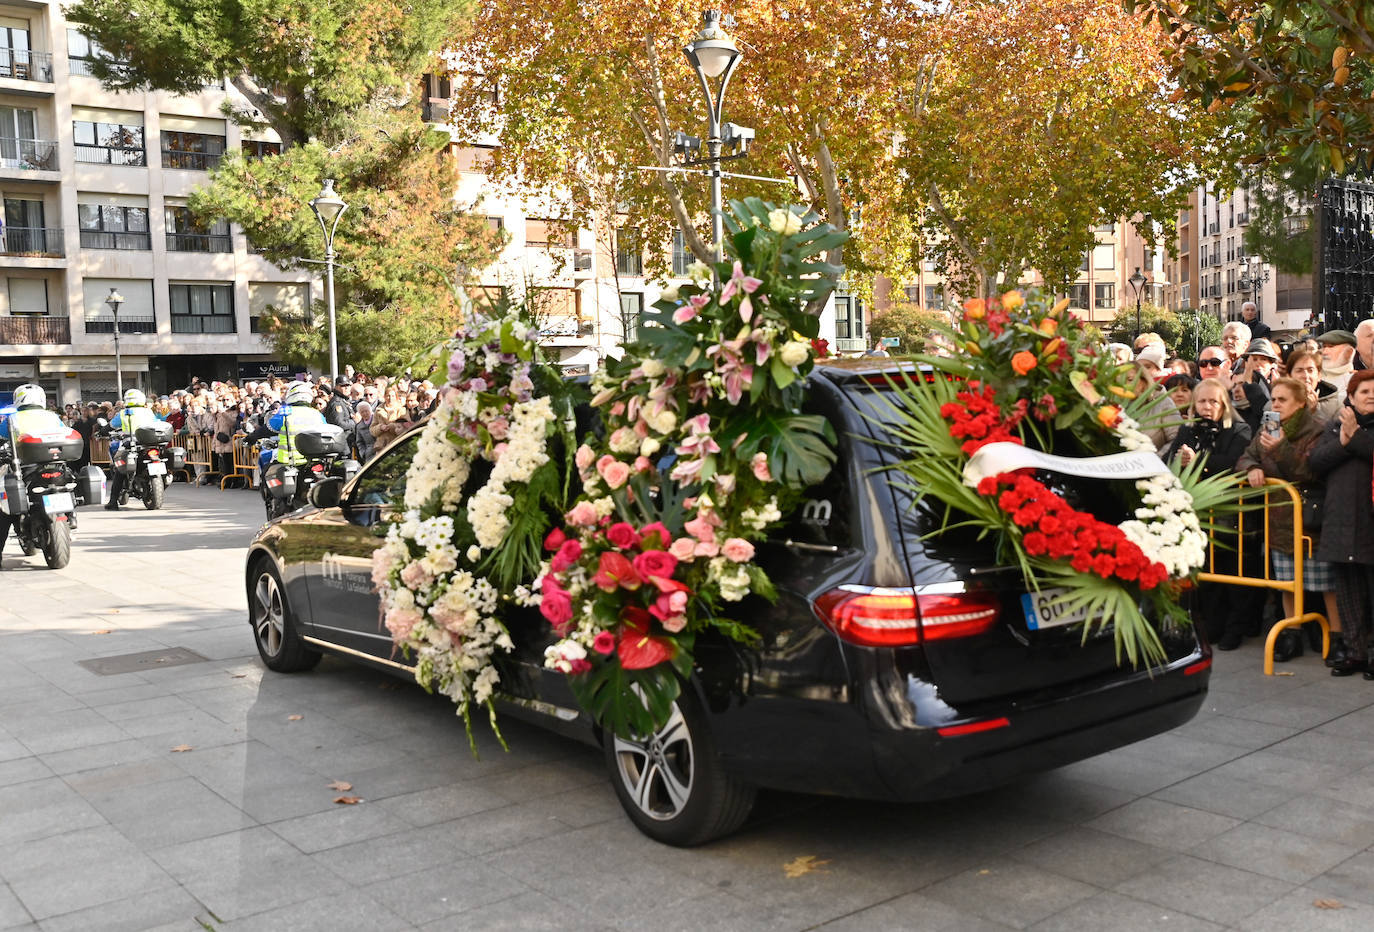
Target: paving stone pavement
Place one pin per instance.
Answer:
(1257, 815)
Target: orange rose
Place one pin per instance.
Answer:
(1048, 326)
(1109, 415)
(1012, 300)
(1024, 362)
(975, 308)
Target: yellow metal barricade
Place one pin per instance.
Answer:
(1302, 545)
(245, 463)
(198, 453)
(100, 451)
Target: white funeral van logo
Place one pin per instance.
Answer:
(816, 511)
(335, 573)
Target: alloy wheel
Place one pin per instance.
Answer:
(269, 614)
(658, 772)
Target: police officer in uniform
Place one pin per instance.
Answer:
(136, 414)
(296, 414)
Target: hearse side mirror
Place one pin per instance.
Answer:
(325, 493)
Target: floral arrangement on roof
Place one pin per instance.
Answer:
(1022, 372)
(704, 440)
(457, 554)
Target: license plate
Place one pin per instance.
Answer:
(157, 469)
(58, 503)
(1043, 610)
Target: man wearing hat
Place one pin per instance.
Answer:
(1250, 389)
(339, 410)
(1338, 355)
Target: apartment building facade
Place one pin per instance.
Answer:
(94, 187)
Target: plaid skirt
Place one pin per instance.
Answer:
(1317, 575)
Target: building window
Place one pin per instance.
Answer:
(682, 256)
(185, 234)
(254, 149)
(473, 158)
(288, 300)
(631, 314)
(1104, 257)
(496, 224)
(849, 318)
(25, 230)
(19, 145)
(28, 296)
(191, 151)
(202, 308)
(1104, 295)
(135, 314)
(107, 226)
(82, 52)
(629, 252)
(934, 298)
(1105, 228)
(1183, 297)
(108, 143)
(1078, 296)
(547, 234)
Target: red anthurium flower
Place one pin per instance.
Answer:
(638, 649)
(614, 571)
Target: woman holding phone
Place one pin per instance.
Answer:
(1343, 457)
(1289, 431)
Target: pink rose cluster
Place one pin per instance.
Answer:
(702, 540)
(634, 566)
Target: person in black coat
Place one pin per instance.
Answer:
(1217, 434)
(1344, 455)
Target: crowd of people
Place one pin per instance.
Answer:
(372, 411)
(1302, 413)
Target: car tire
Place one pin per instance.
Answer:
(673, 786)
(274, 624)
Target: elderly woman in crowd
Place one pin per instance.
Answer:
(1216, 435)
(1285, 454)
(225, 425)
(1343, 456)
(1306, 367)
(391, 419)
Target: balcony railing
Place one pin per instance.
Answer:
(28, 154)
(112, 155)
(31, 241)
(191, 161)
(80, 66)
(199, 242)
(127, 324)
(101, 239)
(202, 323)
(33, 329)
(25, 65)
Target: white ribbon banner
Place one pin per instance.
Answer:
(998, 458)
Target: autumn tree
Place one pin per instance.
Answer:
(1298, 74)
(912, 325)
(337, 84)
(990, 135)
(1039, 121)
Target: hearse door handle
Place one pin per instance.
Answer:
(791, 544)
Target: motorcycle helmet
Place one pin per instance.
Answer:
(30, 396)
(300, 393)
(134, 398)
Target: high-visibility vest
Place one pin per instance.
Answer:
(34, 421)
(295, 419)
(130, 419)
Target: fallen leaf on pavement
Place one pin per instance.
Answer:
(294, 718)
(341, 786)
(182, 747)
(238, 676)
(102, 631)
(348, 800)
(1328, 904)
(806, 864)
(1285, 673)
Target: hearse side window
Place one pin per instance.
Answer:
(385, 479)
(823, 515)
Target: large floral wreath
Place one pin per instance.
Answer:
(449, 565)
(1023, 372)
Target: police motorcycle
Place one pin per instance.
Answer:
(146, 459)
(38, 486)
(285, 485)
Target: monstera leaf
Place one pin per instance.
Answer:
(800, 447)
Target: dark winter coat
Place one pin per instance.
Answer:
(339, 412)
(1348, 520)
(1288, 461)
(1222, 446)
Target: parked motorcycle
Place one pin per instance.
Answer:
(147, 460)
(284, 487)
(39, 488)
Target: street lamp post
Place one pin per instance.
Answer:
(713, 55)
(1137, 283)
(114, 300)
(328, 208)
(1256, 274)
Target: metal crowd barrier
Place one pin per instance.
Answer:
(245, 463)
(1265, 579)
(198, 453)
